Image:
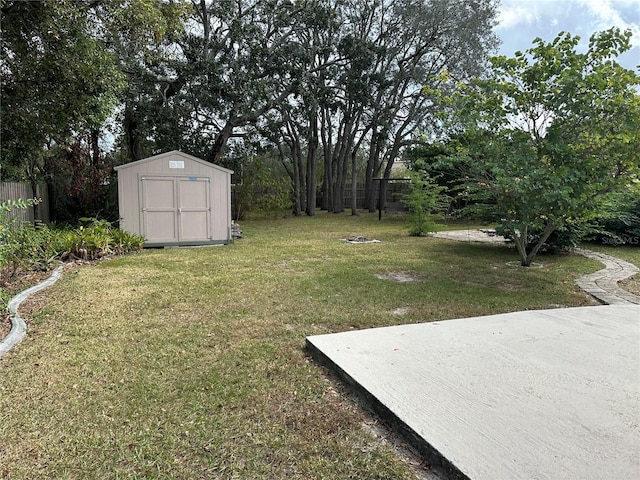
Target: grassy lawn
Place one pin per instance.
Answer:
(190, 363)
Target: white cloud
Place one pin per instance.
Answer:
(608, 14)
(511, 14)
(520, 21)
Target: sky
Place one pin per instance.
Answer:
(521, 21)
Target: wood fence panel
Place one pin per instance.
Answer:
(395, 193)
(15, 191)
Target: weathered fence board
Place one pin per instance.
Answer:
(15, 191)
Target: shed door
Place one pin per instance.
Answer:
(194, 207)
(176, 209)
(159, 210)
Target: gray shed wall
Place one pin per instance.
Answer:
(175, 199)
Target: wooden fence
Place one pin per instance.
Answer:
(395, 192)
(15, 191)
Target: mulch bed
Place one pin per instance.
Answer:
(5, 326)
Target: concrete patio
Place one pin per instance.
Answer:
(550, 394)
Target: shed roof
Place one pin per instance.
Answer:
(174, 153)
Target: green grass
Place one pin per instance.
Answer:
(190, 363)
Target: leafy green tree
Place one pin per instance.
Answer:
(549, 133)
(208, 84)
(65, 66)
(261, 187)
(146, 38)
(58, 79)
(391, 49)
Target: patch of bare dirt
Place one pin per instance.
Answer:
(401, 277)
(360, 239)
(401, 311)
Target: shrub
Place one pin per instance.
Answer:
(13, 237)
(617, 222)
(261, 191)
(424, 202)
(30, 248)
(96, 239)
(562, 239)
(620, 218)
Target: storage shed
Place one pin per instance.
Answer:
(175, 199)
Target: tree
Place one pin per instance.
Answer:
(321, 79)
(61, 81)
(423, 40)
(549, 134)
(57, 79)
(366, 92)
(59, 84)
(392, 49)
(234, 61)
(328, 81)
(294, 125)
(142, 35)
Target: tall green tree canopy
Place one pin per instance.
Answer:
(328, 83)
(58, 78)
(549, 133)
(368, 100)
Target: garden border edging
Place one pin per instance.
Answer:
(18, 325)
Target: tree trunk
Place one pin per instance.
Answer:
(302, 181)
(95, 147)
(340, 162)
(354, 182)
(345, 146)
(48, 174)
(215, 156)
(382, 196)
(292, 171)
(34, 190)
(134, 138)
(327, 190)
(337, 179)
(373, 168)
(526, 258)
(312, 148)
(297, 177)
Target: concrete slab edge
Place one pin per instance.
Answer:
(602, 285)
(441, 465)
(18, 325)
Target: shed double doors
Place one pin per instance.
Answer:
(176, 209)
